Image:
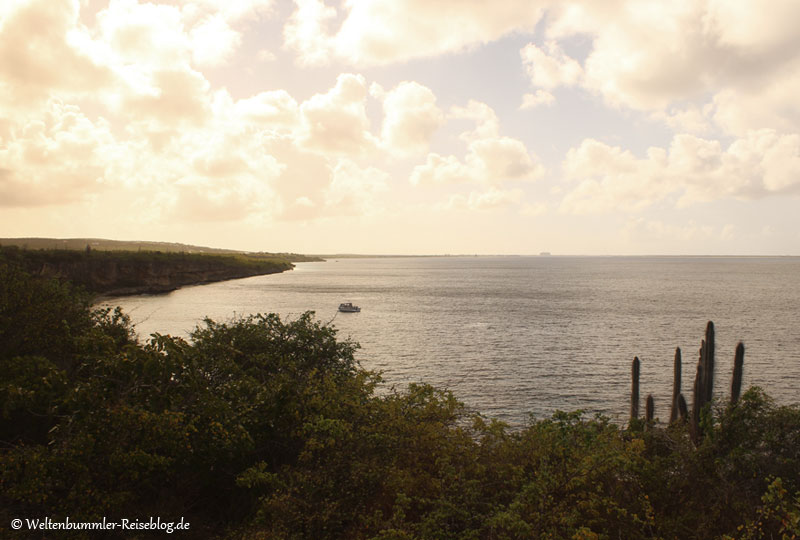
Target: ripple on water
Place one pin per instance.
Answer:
(513, 336)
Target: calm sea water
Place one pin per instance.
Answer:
(511, 336)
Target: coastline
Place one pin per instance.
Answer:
(126, 273)
(156, 288)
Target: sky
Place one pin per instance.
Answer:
(613, 127)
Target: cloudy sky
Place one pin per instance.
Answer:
(405, 126)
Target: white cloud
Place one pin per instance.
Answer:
(151, 36)
(43, 51)
(240, 10)
(151, 50)
(352, 189)
(484, 201)
(411, 116)
(385, 31)
(644, 55)
(172, 97)
(745, 24)
(160, 34)
(336, 122)
(214, 172)
(770, 103)
(501, 159)
(117, 108)
(690, 119)
(539, 98)
(307, 31)
(213, 41)
(486, 122)
(491, 159)
(214, 26)
(204, 200)
(441, 170)
(175, 148)
(275, 109)
(57, 159)
(681, 56)
(692, 170)
(550, 67)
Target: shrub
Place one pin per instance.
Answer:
(266, 428)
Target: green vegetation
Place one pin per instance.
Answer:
(261, 428)
(135, 272)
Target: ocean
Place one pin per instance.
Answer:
(519, 336)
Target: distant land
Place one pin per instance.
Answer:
(113, 268)
(104, 244)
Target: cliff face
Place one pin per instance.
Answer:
(115, 273)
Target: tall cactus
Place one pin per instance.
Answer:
(708, 370)
(738, 368)
(635, 389)
(702, 390)
(683, 410)
(704, 381)
(697, 400)
(676, 386)
(704, 384)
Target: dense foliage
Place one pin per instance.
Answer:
(135, 272)
(263, 428)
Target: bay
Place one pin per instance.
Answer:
(514, 336)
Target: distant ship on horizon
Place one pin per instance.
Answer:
(544, 253)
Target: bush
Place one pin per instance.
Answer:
(40, 317)
(264, 428)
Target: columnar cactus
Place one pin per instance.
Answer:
(708, 370)
(676, 386)
(697, 401)
(704, 381)
(635, 389)
(702, 390)
(738, 367)
(683, 410)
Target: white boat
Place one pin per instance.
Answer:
(348, 307)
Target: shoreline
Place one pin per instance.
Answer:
(127, 273)
(157, 290)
